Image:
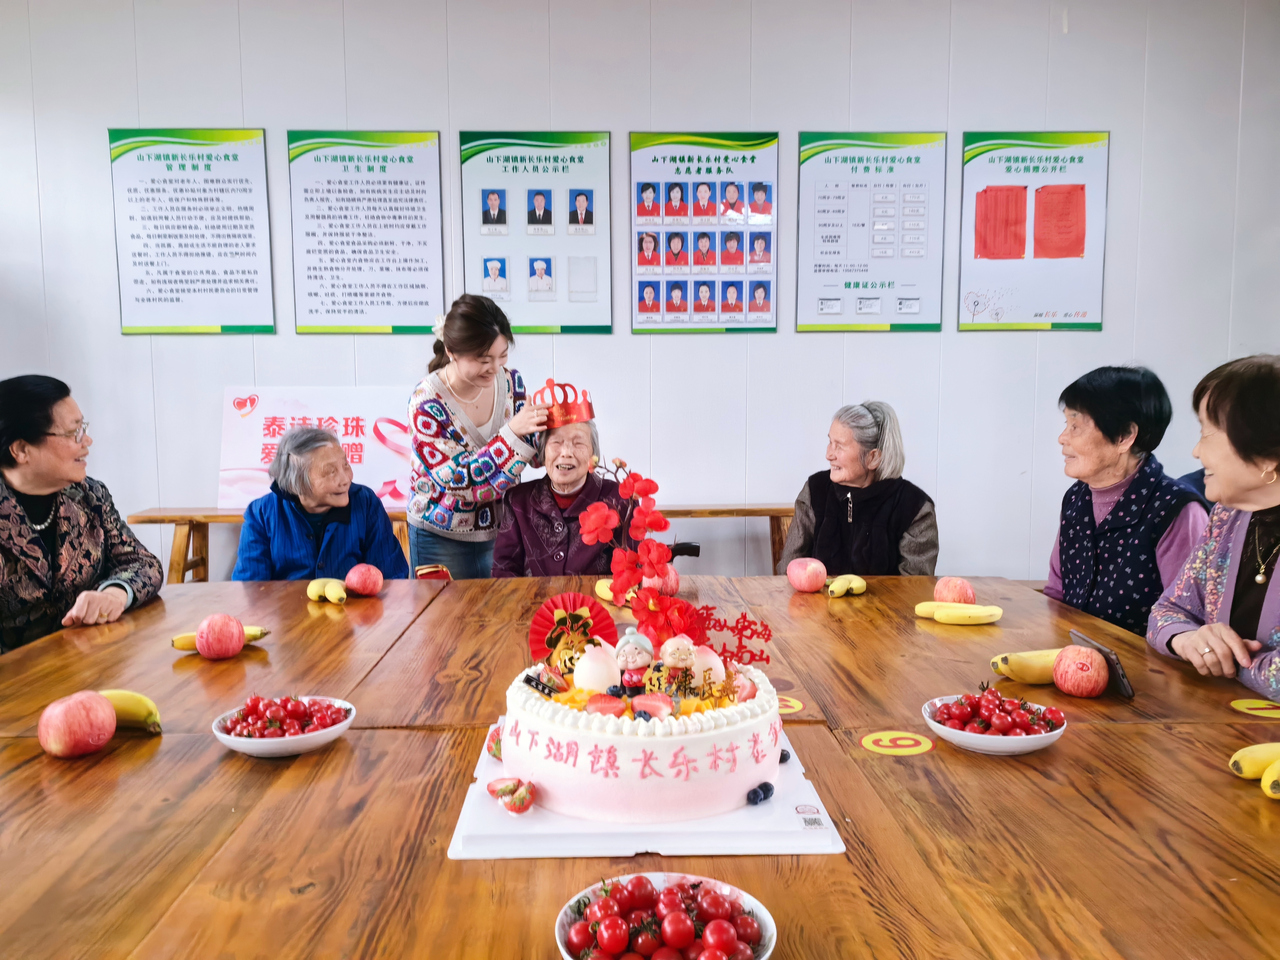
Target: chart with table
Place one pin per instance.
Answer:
(870, 241)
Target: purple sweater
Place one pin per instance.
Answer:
(1202, 593)
(538, 539)
(1172, 550)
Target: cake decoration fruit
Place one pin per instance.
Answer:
(520, 800)
(767, 790)
(75, 725)
(806, 575)
(954, 590)
(786, 755)
(364, 580)
(845, 584)
(604, 703)
(754, 796)
(596, 668)
(219, 636)
(502, 787)
(657, 705)
(1080, 671)
(134, 710)
(1250, 763)
(493, 743)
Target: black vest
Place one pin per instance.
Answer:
(858, 529)
(1109, 569)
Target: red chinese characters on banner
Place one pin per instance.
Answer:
(1000, 223)
(353, 426)
(269, 452)
(354, 452)
(273, 426)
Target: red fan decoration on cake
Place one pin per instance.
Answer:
(568, 613)
(565, 404)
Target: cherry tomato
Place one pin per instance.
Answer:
(954, 724)
(1038, 728)
(1001, 723)
(668, 903)
(711, 953)
(292, 728)
(253, 706)
(613, 934)
(274, 712)
(991, 693)
(667, 953)
(987, 711)
(720, 935)
(1016, 732)
(684, 888)
(637, 917)
(693, 951)
(273, 732)
(743, 952)
(1021, 719)
(677, 929)
(579, 937)
(321, 721)
(631, 956)
(646, 943)
(1010, 705)
(943, 713)
(713, 907)
(962, 712)
(296, 709)
(748, 929)
(604, 907)
(973, 727)
(622, 897)
(1055, 717)
(971, 699)
(643, 894)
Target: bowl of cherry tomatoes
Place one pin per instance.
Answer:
(285, 726)
(992, 723)
(654, 915)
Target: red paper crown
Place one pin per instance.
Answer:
(565, 405)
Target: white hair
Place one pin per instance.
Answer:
(875, 427)
(293, 458)
(546, 434)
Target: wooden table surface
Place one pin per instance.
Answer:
(1128, 838)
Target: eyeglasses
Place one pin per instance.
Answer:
(77, 434)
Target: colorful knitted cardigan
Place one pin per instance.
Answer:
(457, 485)
(1203, 592)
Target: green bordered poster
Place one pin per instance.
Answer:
(367, 236)
(870, 241)
(1033, 228)
(704, 232)
(193, 239)
(535, 228)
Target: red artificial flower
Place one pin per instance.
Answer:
(625, 565)
(645, 518)
(653, 557)
(660, 618)
(597, 523)
(634, 485)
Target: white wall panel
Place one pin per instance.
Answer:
(1187, 88)
(21, 265)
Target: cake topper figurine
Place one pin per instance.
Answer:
(635, 654)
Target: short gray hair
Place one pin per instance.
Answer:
(595, 441)
(875, 427)
(293, 458)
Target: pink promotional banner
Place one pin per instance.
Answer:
(371, 423)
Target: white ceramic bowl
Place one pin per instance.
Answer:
(768, 930)
(980, 742)
(285, 746)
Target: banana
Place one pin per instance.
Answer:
(1029, 666)
(1271, 781)
(930, 608)
(846, 583)
(1251, 763)
(335, 591)
(975, 614)
(604, 589)
(995, 665)
(184, 641)
(316, 588)
(134, 710)
(187, 641)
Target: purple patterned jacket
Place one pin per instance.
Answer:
(94, 546)
(537, 540)
(1203, 592)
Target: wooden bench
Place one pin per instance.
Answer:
(190, 552)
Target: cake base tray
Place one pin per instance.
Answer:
(793, 821)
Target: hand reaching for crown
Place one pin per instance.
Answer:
(532, 418)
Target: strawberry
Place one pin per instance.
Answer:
(503, 788)
(657, 705)
(553, 678)
(493, 743)
(521, 800)
(744, 688)
(603, 703)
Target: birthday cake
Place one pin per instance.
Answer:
(612, 732)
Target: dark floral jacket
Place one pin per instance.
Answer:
(94, 545)
(536, 539)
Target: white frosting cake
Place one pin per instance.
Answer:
(601, 767)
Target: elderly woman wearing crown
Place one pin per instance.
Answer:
(540, 534)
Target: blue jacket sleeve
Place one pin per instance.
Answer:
(253, 558)
(381, 548)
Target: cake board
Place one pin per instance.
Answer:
(793, 821)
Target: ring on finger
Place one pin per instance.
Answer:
(1206, 650)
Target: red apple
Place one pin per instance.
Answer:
(806, 575)
(364, 579)
(668, 586)
(954, 590)
(1080, 671)
(219, 636)
(76, 725)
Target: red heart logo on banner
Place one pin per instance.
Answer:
(385, 441)
(245, 405)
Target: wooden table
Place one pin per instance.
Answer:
(1126, 839)
(190, 552)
